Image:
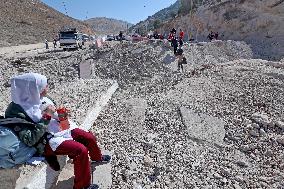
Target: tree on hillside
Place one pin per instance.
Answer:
(157, 23)
(173, 14)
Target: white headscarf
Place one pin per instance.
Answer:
(25, 91)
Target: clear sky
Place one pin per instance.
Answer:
(131, 11)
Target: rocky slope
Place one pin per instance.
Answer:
(259, 23)
(108, 25)
(149, 123)
(31, 21)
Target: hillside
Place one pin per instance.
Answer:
(104, 25)
(259, 23)
(31, 21)
(158, 18)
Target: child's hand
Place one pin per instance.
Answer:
(50, 110)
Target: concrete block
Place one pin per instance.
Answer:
(85, 69)
(203, 127)
(102, 174)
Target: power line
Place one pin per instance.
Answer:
(64, 5)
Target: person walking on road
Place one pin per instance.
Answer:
(46, 44)
(55, 42)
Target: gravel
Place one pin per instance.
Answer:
(143, 125)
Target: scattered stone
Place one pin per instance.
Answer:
(148, 161)
(217, 176)
(269, 153)
(262, 132)
(280, 140)
(247, 121)
(254, 133)
(203, 127)
(247, 148)
(249, 127)
(137, 186)
(280, 124)
(236, 186)
(225, 172)
(261, 119)
(255, 126)
(242, 163)
(239, 179)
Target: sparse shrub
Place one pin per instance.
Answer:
(157, 23)
(25, 22)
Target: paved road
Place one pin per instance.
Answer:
(23, 48)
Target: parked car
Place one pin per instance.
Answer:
(110, 38)
(123, 38)
(137, 37)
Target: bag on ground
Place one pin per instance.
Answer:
(12, 150)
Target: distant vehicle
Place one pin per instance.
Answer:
(70, 39)
(110, 38)
(137, 37)
(117, 38)
(86, 37)
(128, 38)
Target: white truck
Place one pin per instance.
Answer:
(70, 39)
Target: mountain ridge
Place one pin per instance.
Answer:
(104, 26)
(31, 21)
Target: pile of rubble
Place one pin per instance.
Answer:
(154, 145)
(218, 124)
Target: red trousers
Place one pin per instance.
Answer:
(77, 150)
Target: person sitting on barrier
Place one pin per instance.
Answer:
(29, 102)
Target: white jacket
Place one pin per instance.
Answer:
(54, 128)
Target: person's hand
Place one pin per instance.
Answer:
(50, 110)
